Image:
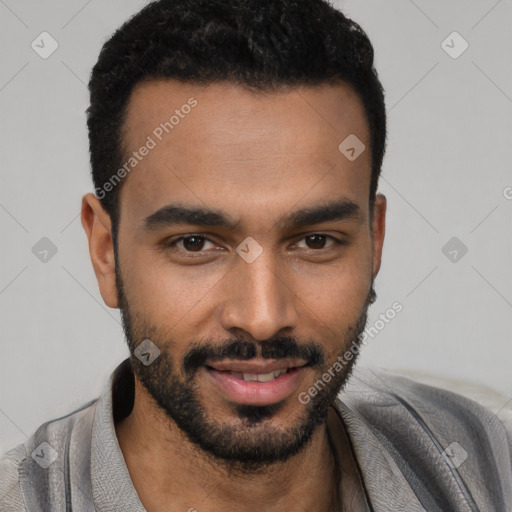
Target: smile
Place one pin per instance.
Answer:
(260, 388)
(259, 377)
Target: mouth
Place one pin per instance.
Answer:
(256, 383)
(256, 377)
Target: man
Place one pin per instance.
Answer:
(236, 147)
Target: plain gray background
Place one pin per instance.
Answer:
(447, 174)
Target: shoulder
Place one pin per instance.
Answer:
(11, 498)
(48, 447)
(441, 405)
(485, 396)
(451, 392)
(446, 441)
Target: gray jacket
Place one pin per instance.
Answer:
(419, 448)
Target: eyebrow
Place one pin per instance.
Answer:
(178, 214)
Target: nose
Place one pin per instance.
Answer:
(259, 299)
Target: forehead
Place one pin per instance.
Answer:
(224, 146)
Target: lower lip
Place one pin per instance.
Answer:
(256, 393)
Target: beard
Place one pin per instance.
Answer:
(253, 442)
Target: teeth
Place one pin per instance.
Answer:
(263, 377)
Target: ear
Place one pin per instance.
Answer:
(97, 225)
(378, 230)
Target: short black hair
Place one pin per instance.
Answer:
(258, 44)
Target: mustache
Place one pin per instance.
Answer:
(278, 348)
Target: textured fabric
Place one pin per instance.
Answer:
(418, 448)
(11, 499)
(404, 432)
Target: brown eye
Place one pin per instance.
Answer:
(316, 241)
(190, 243)
(193, 243)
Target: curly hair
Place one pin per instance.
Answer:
(258, 44)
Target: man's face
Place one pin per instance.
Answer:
(266, 289)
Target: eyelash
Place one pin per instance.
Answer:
(172, 245)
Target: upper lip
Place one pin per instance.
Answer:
(257, 366)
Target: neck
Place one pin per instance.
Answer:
(164, 467)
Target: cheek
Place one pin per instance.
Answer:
(335, 302)
(337, 290)
(337, 299)
(165, 293)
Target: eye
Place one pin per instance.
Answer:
(191, 243)
(316, 241)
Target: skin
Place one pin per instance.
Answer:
(256, 157)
